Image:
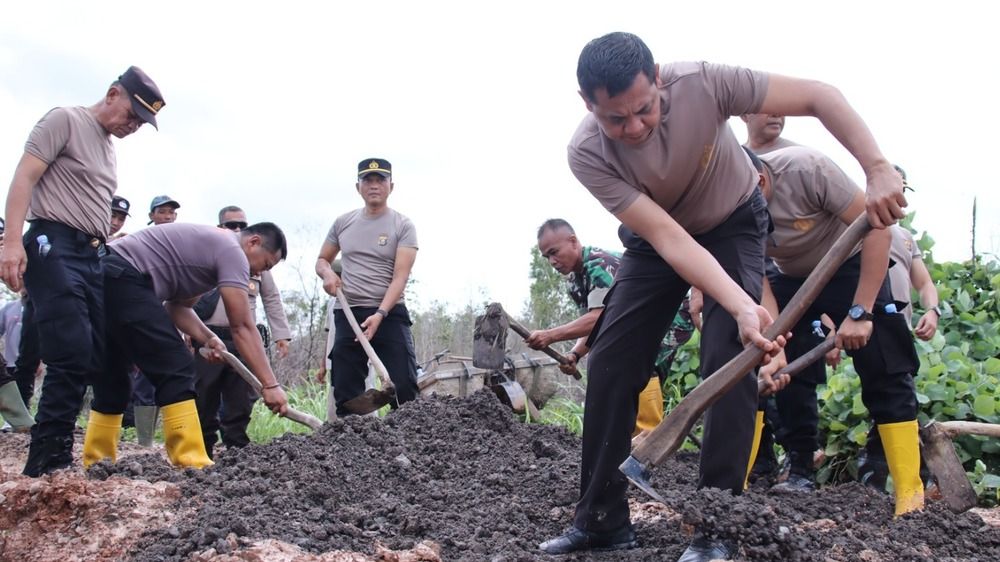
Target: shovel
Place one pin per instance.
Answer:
(791, 369)
(495, 321)
(803, 361)
(310, 421)
(667, 437)
(373, 398)
(939, 454)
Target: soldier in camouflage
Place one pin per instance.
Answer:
(590, 272)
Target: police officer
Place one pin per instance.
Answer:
(217, 384)
(657, 151)
(63, 185)
(152, 279)
(812, 202)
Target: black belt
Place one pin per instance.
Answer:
(76, 234)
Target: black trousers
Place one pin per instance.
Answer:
(217, 384)
(140, 332)
(64, 280)
(885, 366)
(28, 355)
(393, 343)
(637, 312)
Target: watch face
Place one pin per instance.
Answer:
(856, 312)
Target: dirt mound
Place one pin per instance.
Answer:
(443, 479)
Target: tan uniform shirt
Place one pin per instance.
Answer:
(808, 194)
(778, 144)
(368, 252)
(691, 165)
(273, 307)
(185, 260)
(902, 251)
(81, 178)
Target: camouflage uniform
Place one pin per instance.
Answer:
(599, 270)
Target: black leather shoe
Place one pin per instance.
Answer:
(703, 550)
(576, 539)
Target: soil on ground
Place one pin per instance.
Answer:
(439, 479)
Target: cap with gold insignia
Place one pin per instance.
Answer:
(143, 93)
(378, 166)
(120, 205)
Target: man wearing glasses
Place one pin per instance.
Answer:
(217, 384)
(63, 187)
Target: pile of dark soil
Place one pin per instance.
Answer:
(466, 475)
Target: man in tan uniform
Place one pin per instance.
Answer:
(217, 384)
(657, 151)
(63, 185)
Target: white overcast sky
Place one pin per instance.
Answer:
(271, 105)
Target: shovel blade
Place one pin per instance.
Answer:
(638, 474)
(489, 340)
(371, 400)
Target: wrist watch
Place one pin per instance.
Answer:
(937, 310)
(859, 314)
(382, 313)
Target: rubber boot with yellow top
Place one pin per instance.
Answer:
(650, 407)
(758, 431)
(101, 439)
(902, 451)
(182, 435)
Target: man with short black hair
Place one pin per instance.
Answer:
(591, 272)
(217, 383)
(657, 151)
(152, 279)
(378, 247)
(63, 185)
(163, 210)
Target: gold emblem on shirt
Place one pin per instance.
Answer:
(909, 245)
(803, 225)
(383, 239)
(706, 155)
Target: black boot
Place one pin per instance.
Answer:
(48, 454)
(801, 475)
(576, 539)
(703, 549)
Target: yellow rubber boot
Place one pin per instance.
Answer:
(902, 451)
(758, 430)
(650, 407)
(182, 435)
(101, 439)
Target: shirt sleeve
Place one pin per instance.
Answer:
(333, 235)
(609, 188)
(737, 90)
(234, 269)
(836, 191)
(407, 235)
(49, 137)
(274, 308)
